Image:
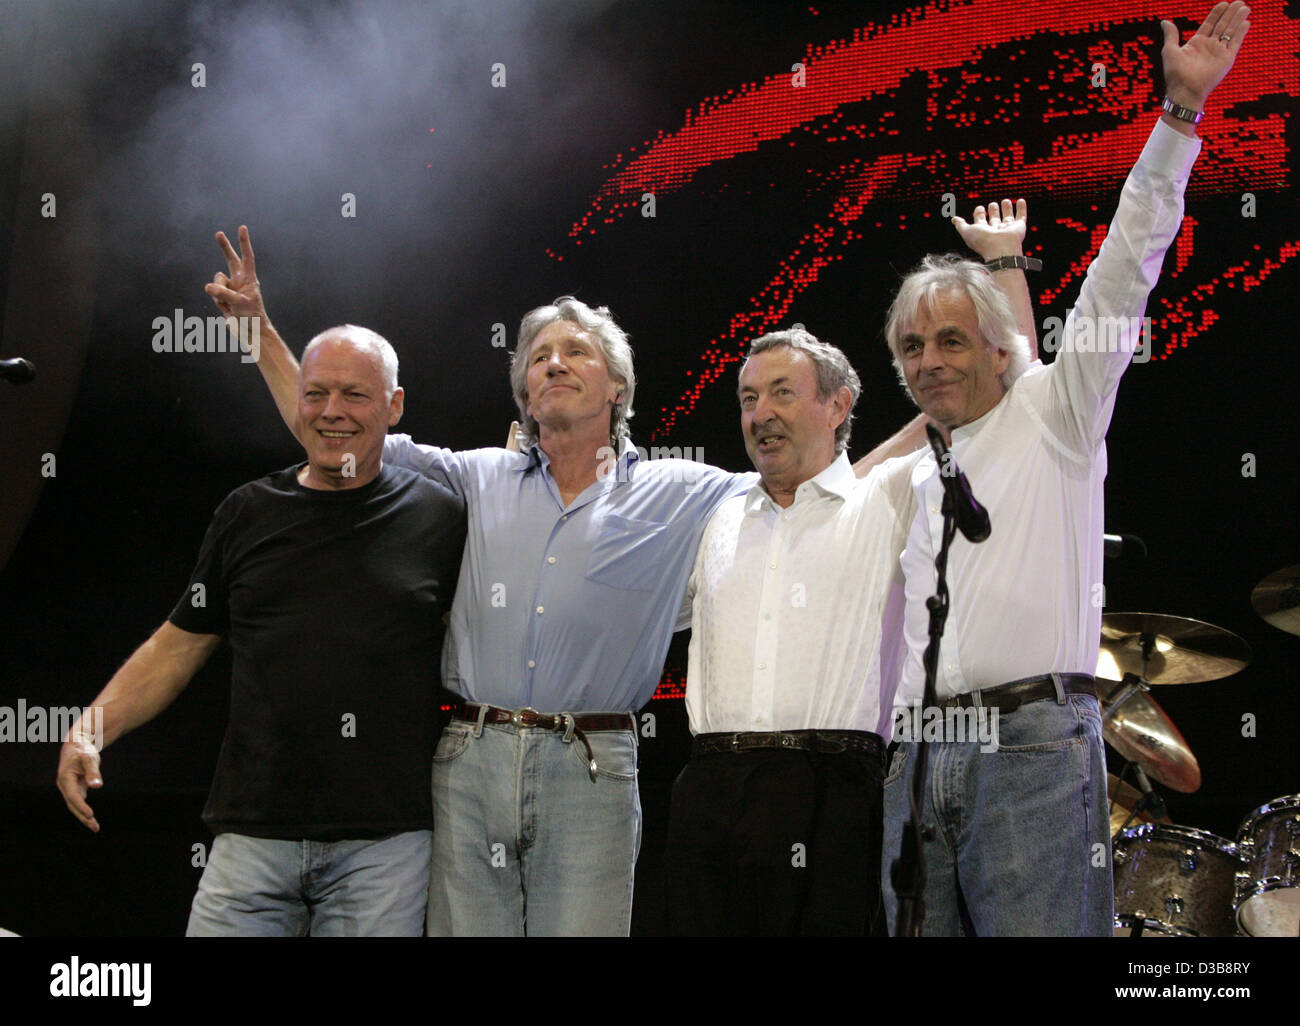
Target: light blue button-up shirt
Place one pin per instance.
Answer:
(568, 609)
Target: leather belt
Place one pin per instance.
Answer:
(530, 717)
(1007, 698)
(568, 724)
(824, 741)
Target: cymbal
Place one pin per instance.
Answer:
(1277, 599)
(1123, 799)
(1142, 732)
(1183, 651)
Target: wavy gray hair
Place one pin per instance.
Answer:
(993, 313)
(597, 322)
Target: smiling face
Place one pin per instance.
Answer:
(569, 384)
(789, 432)
(344, 414)
(952, 371)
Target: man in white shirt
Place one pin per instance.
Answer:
(1021, 833)
(776, 820)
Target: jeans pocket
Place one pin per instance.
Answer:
(614, 752)
(1043, 726)
(453, 743)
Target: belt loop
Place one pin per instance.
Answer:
(569, 724)
(976, 699)
(636, 731)
(1060, 687)
(482, 718)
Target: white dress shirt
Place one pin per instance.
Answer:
(1028, 600)
(786, 605)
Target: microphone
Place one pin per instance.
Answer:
(17, 370)
(972, 518)
(1116, 545)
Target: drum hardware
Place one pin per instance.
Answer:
(1267, 900)
(1277, 599)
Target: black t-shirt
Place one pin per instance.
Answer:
(333, 604)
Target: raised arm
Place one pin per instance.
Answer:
(239, 295)
(908, 438)
(1193, 69)
(146, 684)
(999, 231)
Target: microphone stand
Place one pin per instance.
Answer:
(907, 873)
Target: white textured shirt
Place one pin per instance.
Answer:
(786, 605)
(1028, 600)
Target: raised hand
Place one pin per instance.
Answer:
(1193, 69)
(995, 231)
(237, 294)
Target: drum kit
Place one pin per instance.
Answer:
(1172, 880)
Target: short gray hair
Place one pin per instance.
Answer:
(950, 272)
(364, 339)
(833, 371)
(597, 322)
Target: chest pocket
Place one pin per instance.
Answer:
(628, 554)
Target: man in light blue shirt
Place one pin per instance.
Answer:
(574, 568)
(575, 564)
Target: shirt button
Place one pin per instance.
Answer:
(541, 609)
(771, 566)
(762, 666)
(550, 559)
(532, 665)
(767, 616)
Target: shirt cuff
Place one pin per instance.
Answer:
(1172, 151)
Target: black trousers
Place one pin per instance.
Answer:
(776, 843)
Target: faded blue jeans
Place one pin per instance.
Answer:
(259, 887)
(1022, 844)
(525, 842)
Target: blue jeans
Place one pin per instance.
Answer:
(258, 887)
(525, 842)
(1022, 845)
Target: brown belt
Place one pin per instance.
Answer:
(566, 723)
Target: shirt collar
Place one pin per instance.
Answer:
(536, 456)
(836, 481)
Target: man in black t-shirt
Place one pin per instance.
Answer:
(330, 580)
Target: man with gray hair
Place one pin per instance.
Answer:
(1021, 833)
(320, 799)
(776, 820)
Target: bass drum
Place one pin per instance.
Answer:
(1268, 891)
(1174, 881)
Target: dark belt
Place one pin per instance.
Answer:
(1007, 698)
(824, 741)
(564, 723)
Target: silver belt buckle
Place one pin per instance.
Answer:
(517, 717)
